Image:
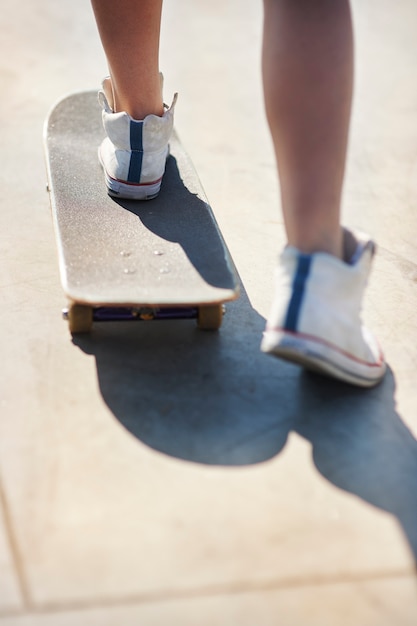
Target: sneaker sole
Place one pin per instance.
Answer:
(127, 191)
(130, 191)
(322, 358)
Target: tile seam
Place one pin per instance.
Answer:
(96, 603)
(17, 560)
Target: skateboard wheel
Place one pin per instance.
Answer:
(210, 317)
(80, 318)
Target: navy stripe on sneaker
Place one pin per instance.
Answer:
(136, 145)
(298, 290)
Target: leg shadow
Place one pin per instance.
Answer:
(179, 216)
(361, 445)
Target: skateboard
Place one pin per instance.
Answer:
(131, 260)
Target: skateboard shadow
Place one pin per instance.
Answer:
(213, 398)
(177, 215)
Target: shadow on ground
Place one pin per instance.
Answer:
(213, 398)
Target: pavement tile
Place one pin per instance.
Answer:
(100, 514)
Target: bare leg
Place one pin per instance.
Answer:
(129, 31)
(308, 76)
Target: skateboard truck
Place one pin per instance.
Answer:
(133, 314)
(81, 317)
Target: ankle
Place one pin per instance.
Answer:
(312, 243)
(138, 110)
(149, 103)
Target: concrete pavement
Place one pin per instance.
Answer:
(154, 474)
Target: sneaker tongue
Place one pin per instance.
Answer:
(355, 244)
(357, 254)
(108, 92)
(350, 247)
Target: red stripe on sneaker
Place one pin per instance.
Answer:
(125, 182)
(332, 346)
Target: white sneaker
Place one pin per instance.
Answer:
(315, 318)
(134, 153)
